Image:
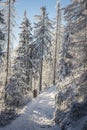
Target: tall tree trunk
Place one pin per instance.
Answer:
(57, 37)
(41, 69)
(31, 79)
(8, 45)
(27, 52)
(42, 51)
(27, 65)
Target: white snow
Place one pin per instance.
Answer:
(38, 114)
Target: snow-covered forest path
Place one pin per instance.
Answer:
(37, 115)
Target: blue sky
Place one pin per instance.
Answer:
(33, 7)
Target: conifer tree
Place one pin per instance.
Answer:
(25, 41)
(18, 87)
(74, 47)
(42, 35)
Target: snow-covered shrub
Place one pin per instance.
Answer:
(65, 98)
(76, 117)
(6, 116)
(17, 92)
(71, 102)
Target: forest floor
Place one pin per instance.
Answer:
(37, 115)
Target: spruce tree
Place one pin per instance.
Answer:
(25, 41)
(18, 87)
(42, 38)
(74, 48)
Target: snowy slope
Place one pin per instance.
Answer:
(37, 115)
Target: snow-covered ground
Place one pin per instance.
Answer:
(37, 115)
